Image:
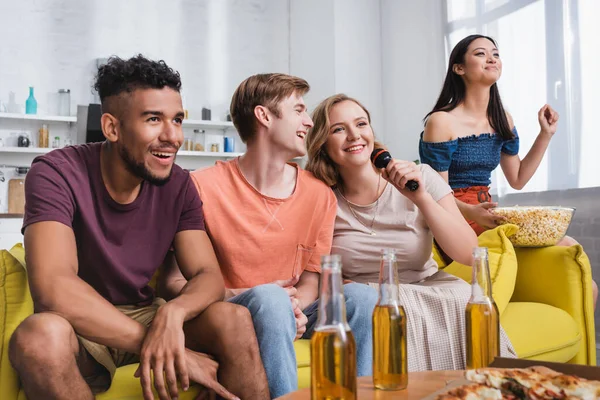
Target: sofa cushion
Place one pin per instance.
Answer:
(502, 260)
(541, 332)
(15, 306)
(302, 348)
(125, 386)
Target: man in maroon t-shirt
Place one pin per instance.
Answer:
(99, 221)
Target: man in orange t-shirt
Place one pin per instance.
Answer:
(270, 222)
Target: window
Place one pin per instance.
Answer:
(548, 55)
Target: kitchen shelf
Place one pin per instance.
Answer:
(35, 117)
(13, 215)
(197, 123)
(181, 153)
(31, 150)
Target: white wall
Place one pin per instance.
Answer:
(413, 61)
(336, 46)
(214, 44)
(358, 55)
(54, 44)
(312, 47)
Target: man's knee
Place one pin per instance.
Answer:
(238, 318)
(271, 309)
(42, 338)
(270, 299)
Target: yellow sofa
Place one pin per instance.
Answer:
(16, 305)
(550, 316)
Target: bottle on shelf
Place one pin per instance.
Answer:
(31, 103)
(43, 137)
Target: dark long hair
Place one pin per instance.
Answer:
(453, 91)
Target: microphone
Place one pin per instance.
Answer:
(381, 158)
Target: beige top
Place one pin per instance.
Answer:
(398, 224)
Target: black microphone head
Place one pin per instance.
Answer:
(412, 185)
(381, 158)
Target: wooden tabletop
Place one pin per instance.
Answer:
(420, 384)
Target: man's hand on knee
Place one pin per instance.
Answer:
(163, 354)
(203, 370)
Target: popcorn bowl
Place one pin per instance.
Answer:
(539, 226)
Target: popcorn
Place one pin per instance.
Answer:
(538, 226)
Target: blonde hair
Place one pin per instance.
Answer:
(319, 162)
(266, 90)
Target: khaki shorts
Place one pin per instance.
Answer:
(111, 358)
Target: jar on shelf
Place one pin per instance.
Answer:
(64, 102)
(188, 144)
(198, 139)
(56, 142)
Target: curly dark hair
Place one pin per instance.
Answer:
(118, 76)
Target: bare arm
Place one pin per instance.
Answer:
(449, 227)
(518, 172)
(164, 346)
(197, 281)
(464, 208)
(55, 287)
(307, 289)
(438, 129)
(172, 281)
(479, 213)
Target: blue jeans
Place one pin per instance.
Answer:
(275, 327)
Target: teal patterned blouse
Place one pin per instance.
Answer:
(469, 160)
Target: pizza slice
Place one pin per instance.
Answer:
(537, 383)
(579, 388)
(519, 382)
(474, 391)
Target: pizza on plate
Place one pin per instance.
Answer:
(537, 383)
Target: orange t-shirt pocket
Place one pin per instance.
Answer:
(303, 255)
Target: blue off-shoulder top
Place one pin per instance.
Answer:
(469, 160)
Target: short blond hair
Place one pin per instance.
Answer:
(266, 90)
(319, 162)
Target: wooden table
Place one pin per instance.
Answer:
(420, 384)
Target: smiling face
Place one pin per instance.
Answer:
(350, 140)
(482, 63)
(150, 133)
(289, 129)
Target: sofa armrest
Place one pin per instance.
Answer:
(561, 277)
(15, 305)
